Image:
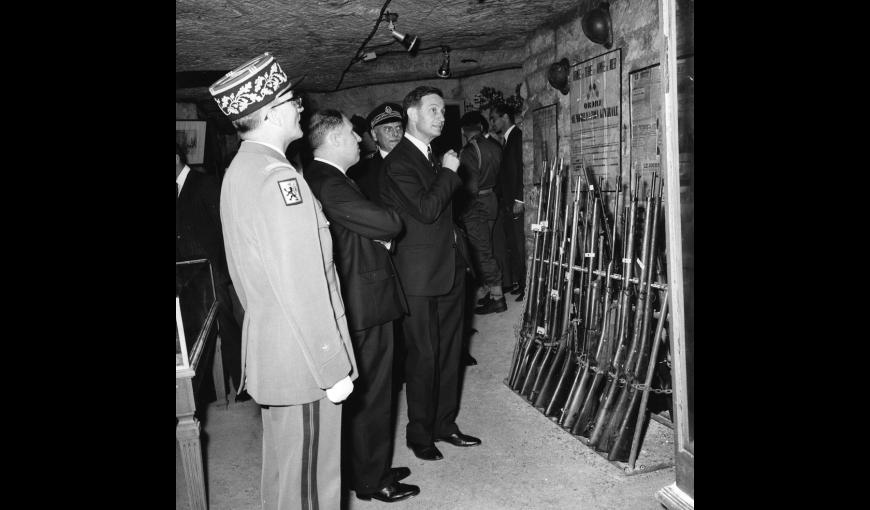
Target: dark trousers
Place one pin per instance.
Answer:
(231, 337)
(479, 221)
(433, 339)
(368, 411)
(515, 242)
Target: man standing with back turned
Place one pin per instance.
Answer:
(297, 355)
(362, 232)
(432, 271)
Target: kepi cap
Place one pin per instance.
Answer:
(251, 86)
(385, 112)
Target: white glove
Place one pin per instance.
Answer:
(340, 390)
(450, 160)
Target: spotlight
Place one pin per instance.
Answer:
(409, 41)
(444, 70)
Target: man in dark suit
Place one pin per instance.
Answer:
(431, 264)
(510, 191)
(385, 122)
(198, 236)
(362, 232)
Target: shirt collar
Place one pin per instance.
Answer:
(328, 162)
(269, 145)
(383, 153)
(182, 177)
(508, 132)
(418, 143)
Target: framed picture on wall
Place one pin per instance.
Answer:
(190, 136)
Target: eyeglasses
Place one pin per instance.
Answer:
(393, 130)
(297, 101)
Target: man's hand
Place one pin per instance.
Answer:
(340, 390)
(385, 244)
(450, 160)
(518, 208)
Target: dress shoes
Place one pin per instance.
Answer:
(400, 473)
(396, 491)
(459, 439)
(468, 360)
(243, 397)
(485, 299)
(426, 452)
(493, 306)
(521, 296)
(517, 288)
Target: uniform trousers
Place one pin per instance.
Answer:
(368, 418)
(433, 340)
(301, 456)
(515, 241)
(479, 221)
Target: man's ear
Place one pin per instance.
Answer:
(412, 115)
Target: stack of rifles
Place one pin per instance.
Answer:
(586, 353)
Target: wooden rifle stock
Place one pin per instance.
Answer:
(545, 334)
(638, 339)
(590, 413)
(528, 331)
(543, 389)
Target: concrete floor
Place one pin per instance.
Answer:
(526, 461)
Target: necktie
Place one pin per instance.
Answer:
(176, 190)
(431, 158)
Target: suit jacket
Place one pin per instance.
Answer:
(424, 253)
(198, 224)
(295, 340)
(510, 178)
(367, 174)
(369, 282)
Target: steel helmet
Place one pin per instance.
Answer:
(597, 26)
(558, 75)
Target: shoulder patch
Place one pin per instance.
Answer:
(290, 191)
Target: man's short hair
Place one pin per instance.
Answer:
(413, 98)
(502, 108)
(321, 124)
(251, 121)
(474, 120)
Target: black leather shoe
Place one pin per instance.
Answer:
(468, 360)
(494, 306)
(426, 452)
(400, 473)
(521, 296)
(485, 299)
(394, 492)
(459, 439)
(243, 397)
(517, 289)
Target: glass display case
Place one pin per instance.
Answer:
(195, 310)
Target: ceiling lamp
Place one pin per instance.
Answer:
(597, 26)
(410, 41)
(444, 70)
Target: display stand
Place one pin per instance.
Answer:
(197, 348)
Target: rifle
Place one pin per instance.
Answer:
(643, 417)
(533, 340)
(610, 425)
(527, 332)
(621, 426)
(545, 330)
(590, 413)
(530, 278)
(543, 388)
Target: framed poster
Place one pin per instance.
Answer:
(190, 136)
(596, 117)
(546, 140)
(645, 108)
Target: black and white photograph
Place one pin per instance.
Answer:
(438, 255)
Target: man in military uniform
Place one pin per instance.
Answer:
(297, 356)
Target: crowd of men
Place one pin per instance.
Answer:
(343, 264)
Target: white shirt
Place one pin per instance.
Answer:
(424, 147)
(182, 177)
(383, 153)
(328, 162)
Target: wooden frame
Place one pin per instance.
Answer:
(190, 135)
(182, 361)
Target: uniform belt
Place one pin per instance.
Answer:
(486, 191)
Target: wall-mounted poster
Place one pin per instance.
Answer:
(546, 140)
(190, 136)
(646, 140)
(596, 116)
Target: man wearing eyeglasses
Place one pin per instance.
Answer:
(386, 129)
(297, 356)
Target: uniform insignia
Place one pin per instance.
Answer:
(290, 192)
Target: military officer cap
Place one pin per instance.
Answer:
(251, 86)
(385, 112)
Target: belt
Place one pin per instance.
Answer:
(486, 191)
